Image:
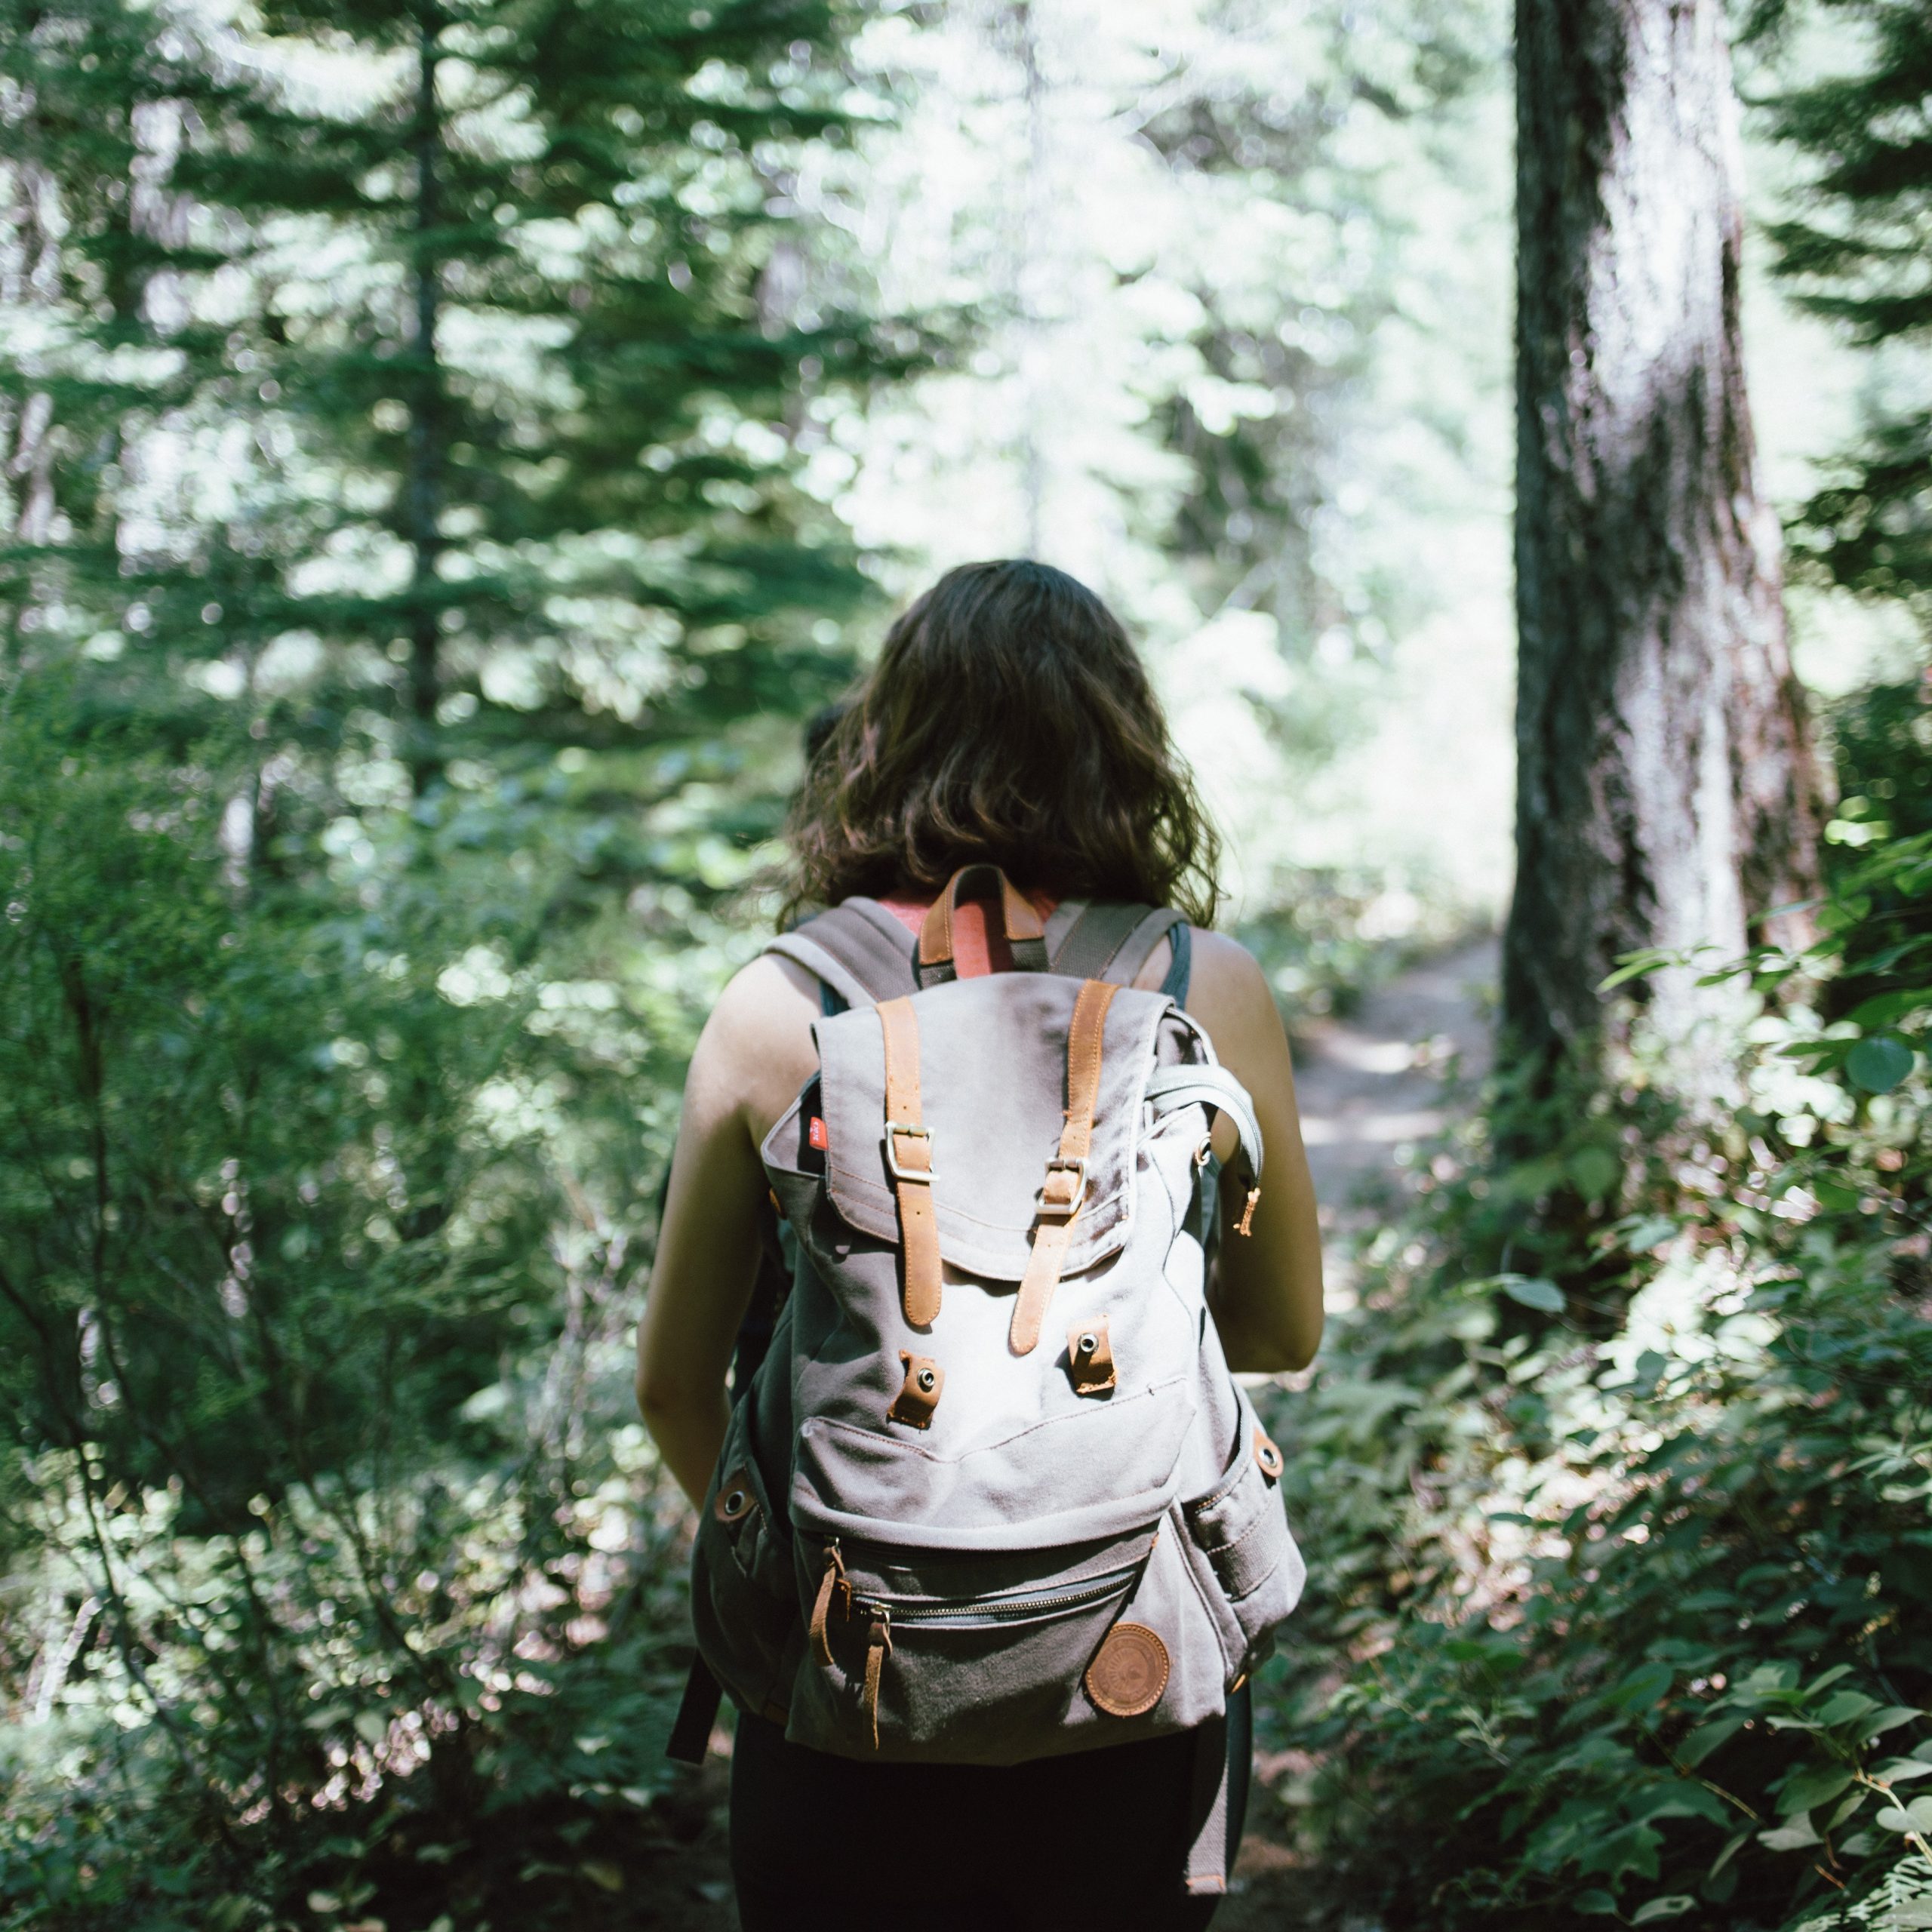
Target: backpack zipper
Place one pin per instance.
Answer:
(972, 1612)
(881, 1613)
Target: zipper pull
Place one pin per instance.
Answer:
(832, 1583)
(879, 1648)
(1245, 1226)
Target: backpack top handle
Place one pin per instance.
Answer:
(1024, 932)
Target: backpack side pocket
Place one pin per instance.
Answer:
(744, 1605)
(1243, 1551)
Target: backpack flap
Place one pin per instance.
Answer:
(992, 1058)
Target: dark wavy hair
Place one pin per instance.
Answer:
(1007, 718)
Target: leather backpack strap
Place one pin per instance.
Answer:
(909, 1159)
(857, 949)
(1024, 932)
(1065, 1185)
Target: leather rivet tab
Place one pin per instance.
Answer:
(1129, 1671)
(735, 1499)
(1090, 1358)
(925, 1382)
(1267, 1457)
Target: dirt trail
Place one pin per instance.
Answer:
(1370, 1083)
(1367, 1085)
(1392, 1074)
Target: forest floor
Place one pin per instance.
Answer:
(1389, 1074)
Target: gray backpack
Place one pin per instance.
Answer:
(993, 1494)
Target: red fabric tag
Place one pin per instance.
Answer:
(816, 1134)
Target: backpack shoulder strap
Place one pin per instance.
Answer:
(857, 949)
(1110, 942)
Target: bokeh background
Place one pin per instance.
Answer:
(446, 450)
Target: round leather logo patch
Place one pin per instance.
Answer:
(1129, 1671)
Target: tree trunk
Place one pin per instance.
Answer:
(1665, 791)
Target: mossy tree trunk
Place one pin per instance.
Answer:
(1666, 788)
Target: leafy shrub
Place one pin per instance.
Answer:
(343, 1586)
(1619, 1482)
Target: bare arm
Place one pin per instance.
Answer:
(755, 1053)
(1266, 1293)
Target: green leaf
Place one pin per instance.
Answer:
(1902, 1770)
(1803, 1790)
(1886, 1009)
(1673, 1905)
(1645, 1232)
(1532, 1292)
(1730, 1852)
(1683, 1800)
(1890, 1718)
(1635, 965)
(1846, 1706)
(371, 1727)
(1826, 1678)
(1916, 1816)
(1595, 1171)
(1705, 1738)
(1835, 1196)
(1594, 1904)
(1878, 1062)
(1643, 1688)
(1847, 1809)
(1793, 1837)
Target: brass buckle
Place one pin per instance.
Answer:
(1057, 1165)
(894, 1129)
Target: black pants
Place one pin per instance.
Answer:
(1096, 1838)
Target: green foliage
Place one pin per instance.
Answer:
(336, 1569)
(1858, 254)
(1620, 1476)
(408, 605)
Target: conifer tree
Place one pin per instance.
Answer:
(475, 347)
(1858, 253)
(398, 437)
(409, 605)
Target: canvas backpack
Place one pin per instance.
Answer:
(993, 1494)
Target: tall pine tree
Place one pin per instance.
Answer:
(1859, 253)
(409, 605)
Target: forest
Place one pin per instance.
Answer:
(449, 449)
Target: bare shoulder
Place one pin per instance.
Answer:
(1227, 992)
(1227, 983)
(770, 995)
(756, 1050)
